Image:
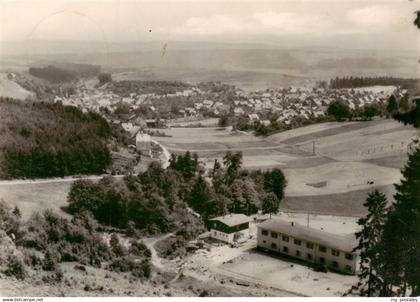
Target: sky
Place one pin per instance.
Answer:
(342, 23)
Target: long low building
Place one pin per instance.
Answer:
(308, 244)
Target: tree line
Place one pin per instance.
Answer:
(399, 108)
(354, 82)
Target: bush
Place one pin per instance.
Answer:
(31, 259)
(64, 240)
(138, 248)
(140, 269)
(50, 260)
(15, 268)
(116, 246)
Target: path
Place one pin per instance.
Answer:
(150, 243)
(165, 153)
(53, 180)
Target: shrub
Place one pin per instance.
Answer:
(50, 260)
(31, 259)
(15, 268)
(138, 248)
(140, 269)
(116, 246)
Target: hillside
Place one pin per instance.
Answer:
(44, 140)
(10, 89)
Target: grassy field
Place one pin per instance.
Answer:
(348, 157)
(31, 198)
(348, 203)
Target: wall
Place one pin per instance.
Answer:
(267, 241)
(226, 237)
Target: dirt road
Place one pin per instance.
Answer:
(150, 243)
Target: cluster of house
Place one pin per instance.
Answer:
(288, 103)
(291, 239)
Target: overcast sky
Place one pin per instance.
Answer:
(358, 24)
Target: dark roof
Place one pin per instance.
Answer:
(340, 242)
(233, 219)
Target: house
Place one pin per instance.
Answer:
(143, 142)
(127, 126)
(253, 117)
(229, 228)
(308, 244)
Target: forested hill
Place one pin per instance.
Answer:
(45, 140)
(354, 82)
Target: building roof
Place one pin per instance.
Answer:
(233, 219)
(343, 243)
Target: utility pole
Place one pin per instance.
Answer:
(313, 147)
(307, 223)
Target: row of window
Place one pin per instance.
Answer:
(309, 245)
(220, 234)
(310, 257)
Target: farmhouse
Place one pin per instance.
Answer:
(308, 244)
(229, 228)
(143, 142)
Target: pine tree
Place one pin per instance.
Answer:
(200, 196)
(369, 238)
(407, 214)
(392, 105)
(389, 256)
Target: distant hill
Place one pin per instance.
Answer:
(244, 65)
(47, 140)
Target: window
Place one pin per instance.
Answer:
(297, 242)
(349, 256)
(309, 256)
(264, 232)
(264, 241)
(285, 249)
(348, 268)
(286, 238)
(322, 260)
(273, 245)
(298, 253)
(322, 248)
(335, 264)
(310, 245)
(274, 235)
(335, 253)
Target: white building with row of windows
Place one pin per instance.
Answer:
(315, 246)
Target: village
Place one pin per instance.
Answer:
(215, 100)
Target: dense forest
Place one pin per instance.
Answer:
(45, 140)
(64, 72)
(179, 198)
(354, 82)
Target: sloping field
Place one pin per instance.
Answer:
(32, 198)
(11, 89)
(375, 140)
(349, 203)
(339, 177)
